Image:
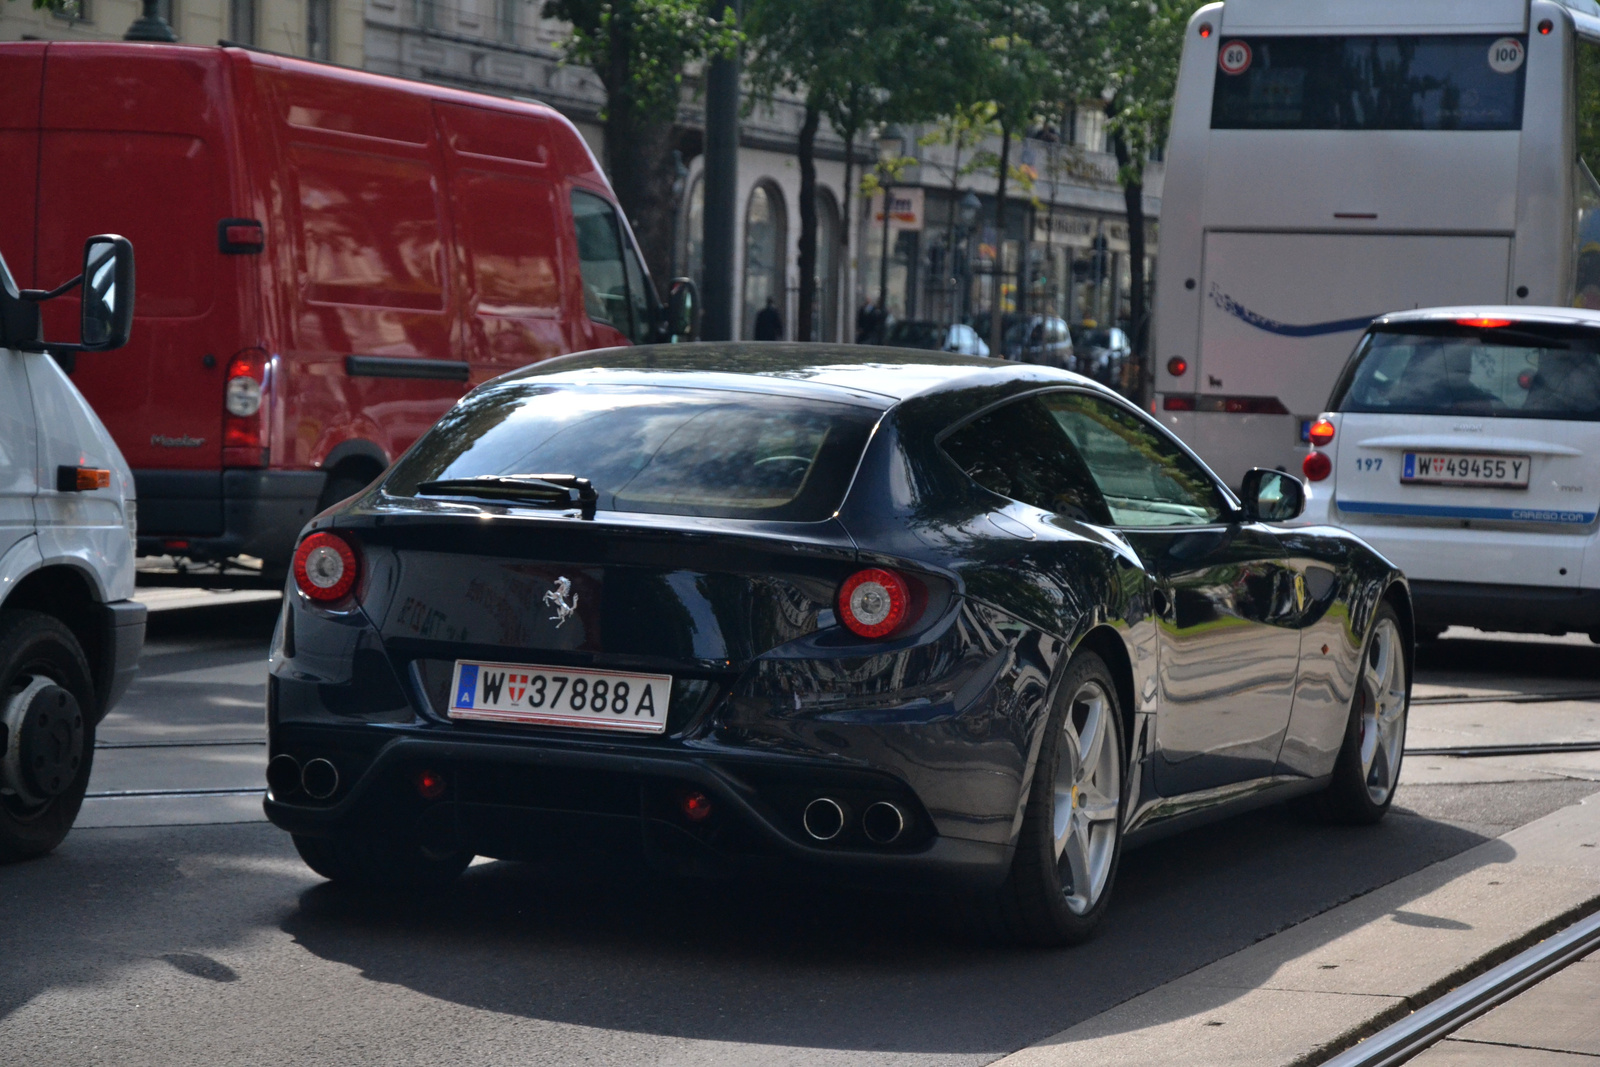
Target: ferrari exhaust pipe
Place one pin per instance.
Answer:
(319, 778)
(824, 819)
(283, 776)
(883, 823)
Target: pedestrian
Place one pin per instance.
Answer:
(866, 322)
(769, 324)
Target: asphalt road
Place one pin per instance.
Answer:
(206, 941)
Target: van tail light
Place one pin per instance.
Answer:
(875, 602)
(325, 567)
(1317, 466)
(244, 441)
(1321, 432)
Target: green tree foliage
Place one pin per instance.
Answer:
(639, 49)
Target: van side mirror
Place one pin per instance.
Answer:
(683, 310)
(107, 314)
(1271, 496)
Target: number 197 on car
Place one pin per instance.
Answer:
(559, 696)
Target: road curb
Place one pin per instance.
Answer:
(1317, 988)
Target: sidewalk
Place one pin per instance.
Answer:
(1554, 1024)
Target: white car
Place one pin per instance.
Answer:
(1464, 444)
(70, 636)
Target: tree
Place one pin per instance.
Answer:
(1143, 41)
(639, 50)
(963, 130)
(855, 63)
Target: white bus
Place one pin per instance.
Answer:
(1333, 160)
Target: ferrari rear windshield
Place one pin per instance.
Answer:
(1513, 371)
(669, 451)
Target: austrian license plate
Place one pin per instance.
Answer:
(560, 696)
(1465, 468)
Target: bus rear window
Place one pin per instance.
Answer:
(1454, 82)
(1495, 373)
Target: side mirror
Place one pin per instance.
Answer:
(1272, 496)
(683, 310)
(107, 293)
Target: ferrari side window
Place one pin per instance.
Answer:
(1020, 452)
(1146, 478)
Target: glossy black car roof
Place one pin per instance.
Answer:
(874, 375)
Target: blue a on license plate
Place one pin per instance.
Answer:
(1466, 469)
(560, 696)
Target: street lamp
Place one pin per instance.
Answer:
(150, 26)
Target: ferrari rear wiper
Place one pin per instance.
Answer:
(541, 490)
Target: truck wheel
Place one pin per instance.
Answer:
(380, 863)
(47, 707)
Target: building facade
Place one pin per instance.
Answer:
(329, 30)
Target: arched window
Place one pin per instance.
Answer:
(766, 241)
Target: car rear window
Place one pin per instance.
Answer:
(669, 451)
(1516, 372)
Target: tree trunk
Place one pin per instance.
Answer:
(639, 162)
(997, 329)
(808, 226)
(1139, 326)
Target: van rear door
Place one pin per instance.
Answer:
(150, 161)
(1281, 311)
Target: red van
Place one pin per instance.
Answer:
(328, 259)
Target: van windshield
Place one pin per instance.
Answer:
(1499, 373)
(668, 451)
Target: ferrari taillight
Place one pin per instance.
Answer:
(874, 602)
(325, 567)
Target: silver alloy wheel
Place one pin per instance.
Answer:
(1383, 710)
(1088, 797)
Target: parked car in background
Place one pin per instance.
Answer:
(1464, 444)
(954, 337)
(1101, 353)
(877, 614)
(1041, 339)
(70, 636)
(331, 258)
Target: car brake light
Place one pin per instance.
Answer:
(1317, 466)
(1321, 432)
(325, 567)
(1485, 323)
(243, 436)
(874, 602)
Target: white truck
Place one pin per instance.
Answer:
(70, 634)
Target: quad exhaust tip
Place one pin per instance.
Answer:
(319, 779)
(283, 776)
(824, 819)
(883, 823)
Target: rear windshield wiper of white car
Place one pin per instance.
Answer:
(560, 491)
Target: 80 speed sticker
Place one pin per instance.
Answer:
(1234, 57)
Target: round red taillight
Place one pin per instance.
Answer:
(430, 784)
(1317, 466)
(1177, 366)
(1545, 26)
(874, 602)
(325, 567)
(696, 806)
(1321, 432)
(1205, 29)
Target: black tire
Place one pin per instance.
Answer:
(1352, 797)
(1033, 906)
(36, 646)
(380, 863)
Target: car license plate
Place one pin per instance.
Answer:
(1466, 469)
(560, 696)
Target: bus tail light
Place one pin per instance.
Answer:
(1321, 432)
(1177, 402)
(1317, 466)
(244, 397)
(1177, 366)
(1233, 405)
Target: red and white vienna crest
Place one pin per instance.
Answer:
(516, 685)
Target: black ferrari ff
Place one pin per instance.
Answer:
(887, 615)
